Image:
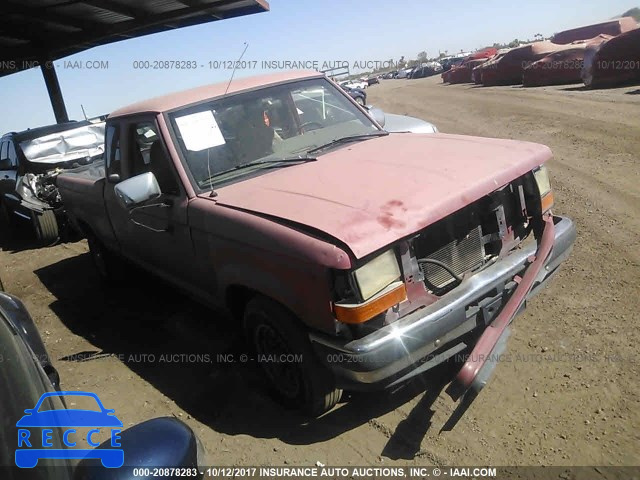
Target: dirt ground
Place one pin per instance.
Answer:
(568, 393)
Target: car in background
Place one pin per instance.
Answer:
(404, 73)
(359, 95)
(391, 122)
(449, 62)
(27, 375)
(354, 84)
(426, 70)
(372, 80)
(31, 160)
(390, 75)
(403, 123)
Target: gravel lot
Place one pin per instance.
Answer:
(568, 393)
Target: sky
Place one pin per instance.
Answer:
(329, 32)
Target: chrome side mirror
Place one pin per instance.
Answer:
(136, 190)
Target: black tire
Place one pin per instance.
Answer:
(304, 383)
(360, 101)
(110, 267)
(1, 286)
(45, 225)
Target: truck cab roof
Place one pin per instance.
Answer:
(195, 95)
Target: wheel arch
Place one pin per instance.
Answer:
(238, 296)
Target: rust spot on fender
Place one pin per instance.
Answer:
(387, 216)
(388, 221)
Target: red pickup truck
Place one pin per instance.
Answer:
(354, 258)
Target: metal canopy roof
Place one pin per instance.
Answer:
(40, 30)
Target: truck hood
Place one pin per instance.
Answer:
(372, 193)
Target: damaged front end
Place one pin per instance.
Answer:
(455, 278)
(45, 157)
(39, 191)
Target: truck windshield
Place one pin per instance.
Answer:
(217, 138)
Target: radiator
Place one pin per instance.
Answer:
(459, 255)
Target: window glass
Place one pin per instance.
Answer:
(112, 155)
(148, 155)
(3, 150)
(144, 134)
(11, 153)
(320, 107)
(220, 139)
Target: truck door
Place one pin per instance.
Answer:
(156, 235)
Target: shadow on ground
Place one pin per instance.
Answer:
(584, 88)
(18, 235)
(184, 349)
(581, 88)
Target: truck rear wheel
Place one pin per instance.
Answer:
(296, 376)
(45, 226)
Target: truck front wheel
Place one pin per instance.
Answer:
(296, 376)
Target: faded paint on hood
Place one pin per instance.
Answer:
(372, 193)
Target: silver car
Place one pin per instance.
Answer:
(400, 123)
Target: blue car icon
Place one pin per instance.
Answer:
(64, 419)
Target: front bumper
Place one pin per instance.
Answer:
(430, 335)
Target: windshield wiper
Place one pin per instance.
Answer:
(266, 161)
(271, 162)
(350, 138)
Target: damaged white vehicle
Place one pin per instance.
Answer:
(30, 162)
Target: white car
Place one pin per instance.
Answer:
(354, 84)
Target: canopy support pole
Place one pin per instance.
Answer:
(55, 93)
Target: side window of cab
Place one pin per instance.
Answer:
(4, 164)
(148, 154)
(8, 155)
(112, 153)
(12, 155)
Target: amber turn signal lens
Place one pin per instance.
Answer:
(362, 312)
(547, 202)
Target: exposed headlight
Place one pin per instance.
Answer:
(377, 274)
(542, 179)
(544, 187)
